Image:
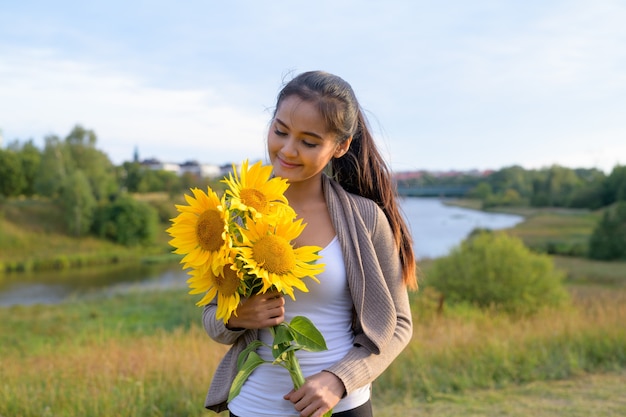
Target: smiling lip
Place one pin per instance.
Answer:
(286, 164)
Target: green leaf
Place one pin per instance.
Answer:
(282, 339)
(281, 354)
(243, 356)
(283, 334)
(306, 334)
(251, 363)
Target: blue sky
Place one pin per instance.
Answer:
(446, 85)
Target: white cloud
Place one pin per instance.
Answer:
(44, 95)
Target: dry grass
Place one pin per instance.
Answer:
(158, 373)
(597, 395)
(593, 273)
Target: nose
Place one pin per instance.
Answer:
(289, 148)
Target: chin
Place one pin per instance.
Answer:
(279, 171)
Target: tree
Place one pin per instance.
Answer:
(53, 169)
(30, 157)
(482, 191)
(131, 174)
(608, 240)
(514, 177)
(615, 185)
(78, 203)
(80, 145)
(12, 180)
(554, 187)
(497, 270)
(591, 194)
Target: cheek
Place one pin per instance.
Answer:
(271, 144)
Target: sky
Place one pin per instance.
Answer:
(446, 85)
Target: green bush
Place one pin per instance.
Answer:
(126, 221)
(495, 270)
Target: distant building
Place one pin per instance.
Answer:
(156, 165)
(194, 168)
(200, 170)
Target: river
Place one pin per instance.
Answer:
(436, 229)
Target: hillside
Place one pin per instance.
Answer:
(32, 237)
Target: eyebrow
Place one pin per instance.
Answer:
(313, 134)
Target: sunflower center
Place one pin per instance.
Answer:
(252, 197)
(228, 282)
(275, 254)
(209, 230)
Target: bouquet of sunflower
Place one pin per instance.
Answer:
(241, 244)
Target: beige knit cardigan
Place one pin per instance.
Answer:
(383, 324)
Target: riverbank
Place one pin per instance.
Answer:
(555, 231)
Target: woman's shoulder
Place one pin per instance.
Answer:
(365, 207)
(355, 198)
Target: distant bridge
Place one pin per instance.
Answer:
(434, 191)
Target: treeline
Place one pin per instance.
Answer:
(94, 194)
(555, 186)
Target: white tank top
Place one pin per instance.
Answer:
(329, 306)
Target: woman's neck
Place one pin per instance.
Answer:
(301, 194)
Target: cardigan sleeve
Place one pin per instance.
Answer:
(216, 329)
(361, 365)
(224, 375)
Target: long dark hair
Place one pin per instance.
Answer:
(362, 170)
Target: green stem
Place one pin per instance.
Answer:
(294, 369)
(292, 364)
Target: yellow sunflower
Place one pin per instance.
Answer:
(266, 252)
(253, 191)
(200, 231)
(224, 285)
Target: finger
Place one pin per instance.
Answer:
(275, 301)
(288, 395)
(310, 410)
(295, 396)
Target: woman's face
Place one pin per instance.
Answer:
(299, 144)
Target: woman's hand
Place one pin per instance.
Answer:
(319, 394)
(259, 311)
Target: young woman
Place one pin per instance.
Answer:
(361, 304)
